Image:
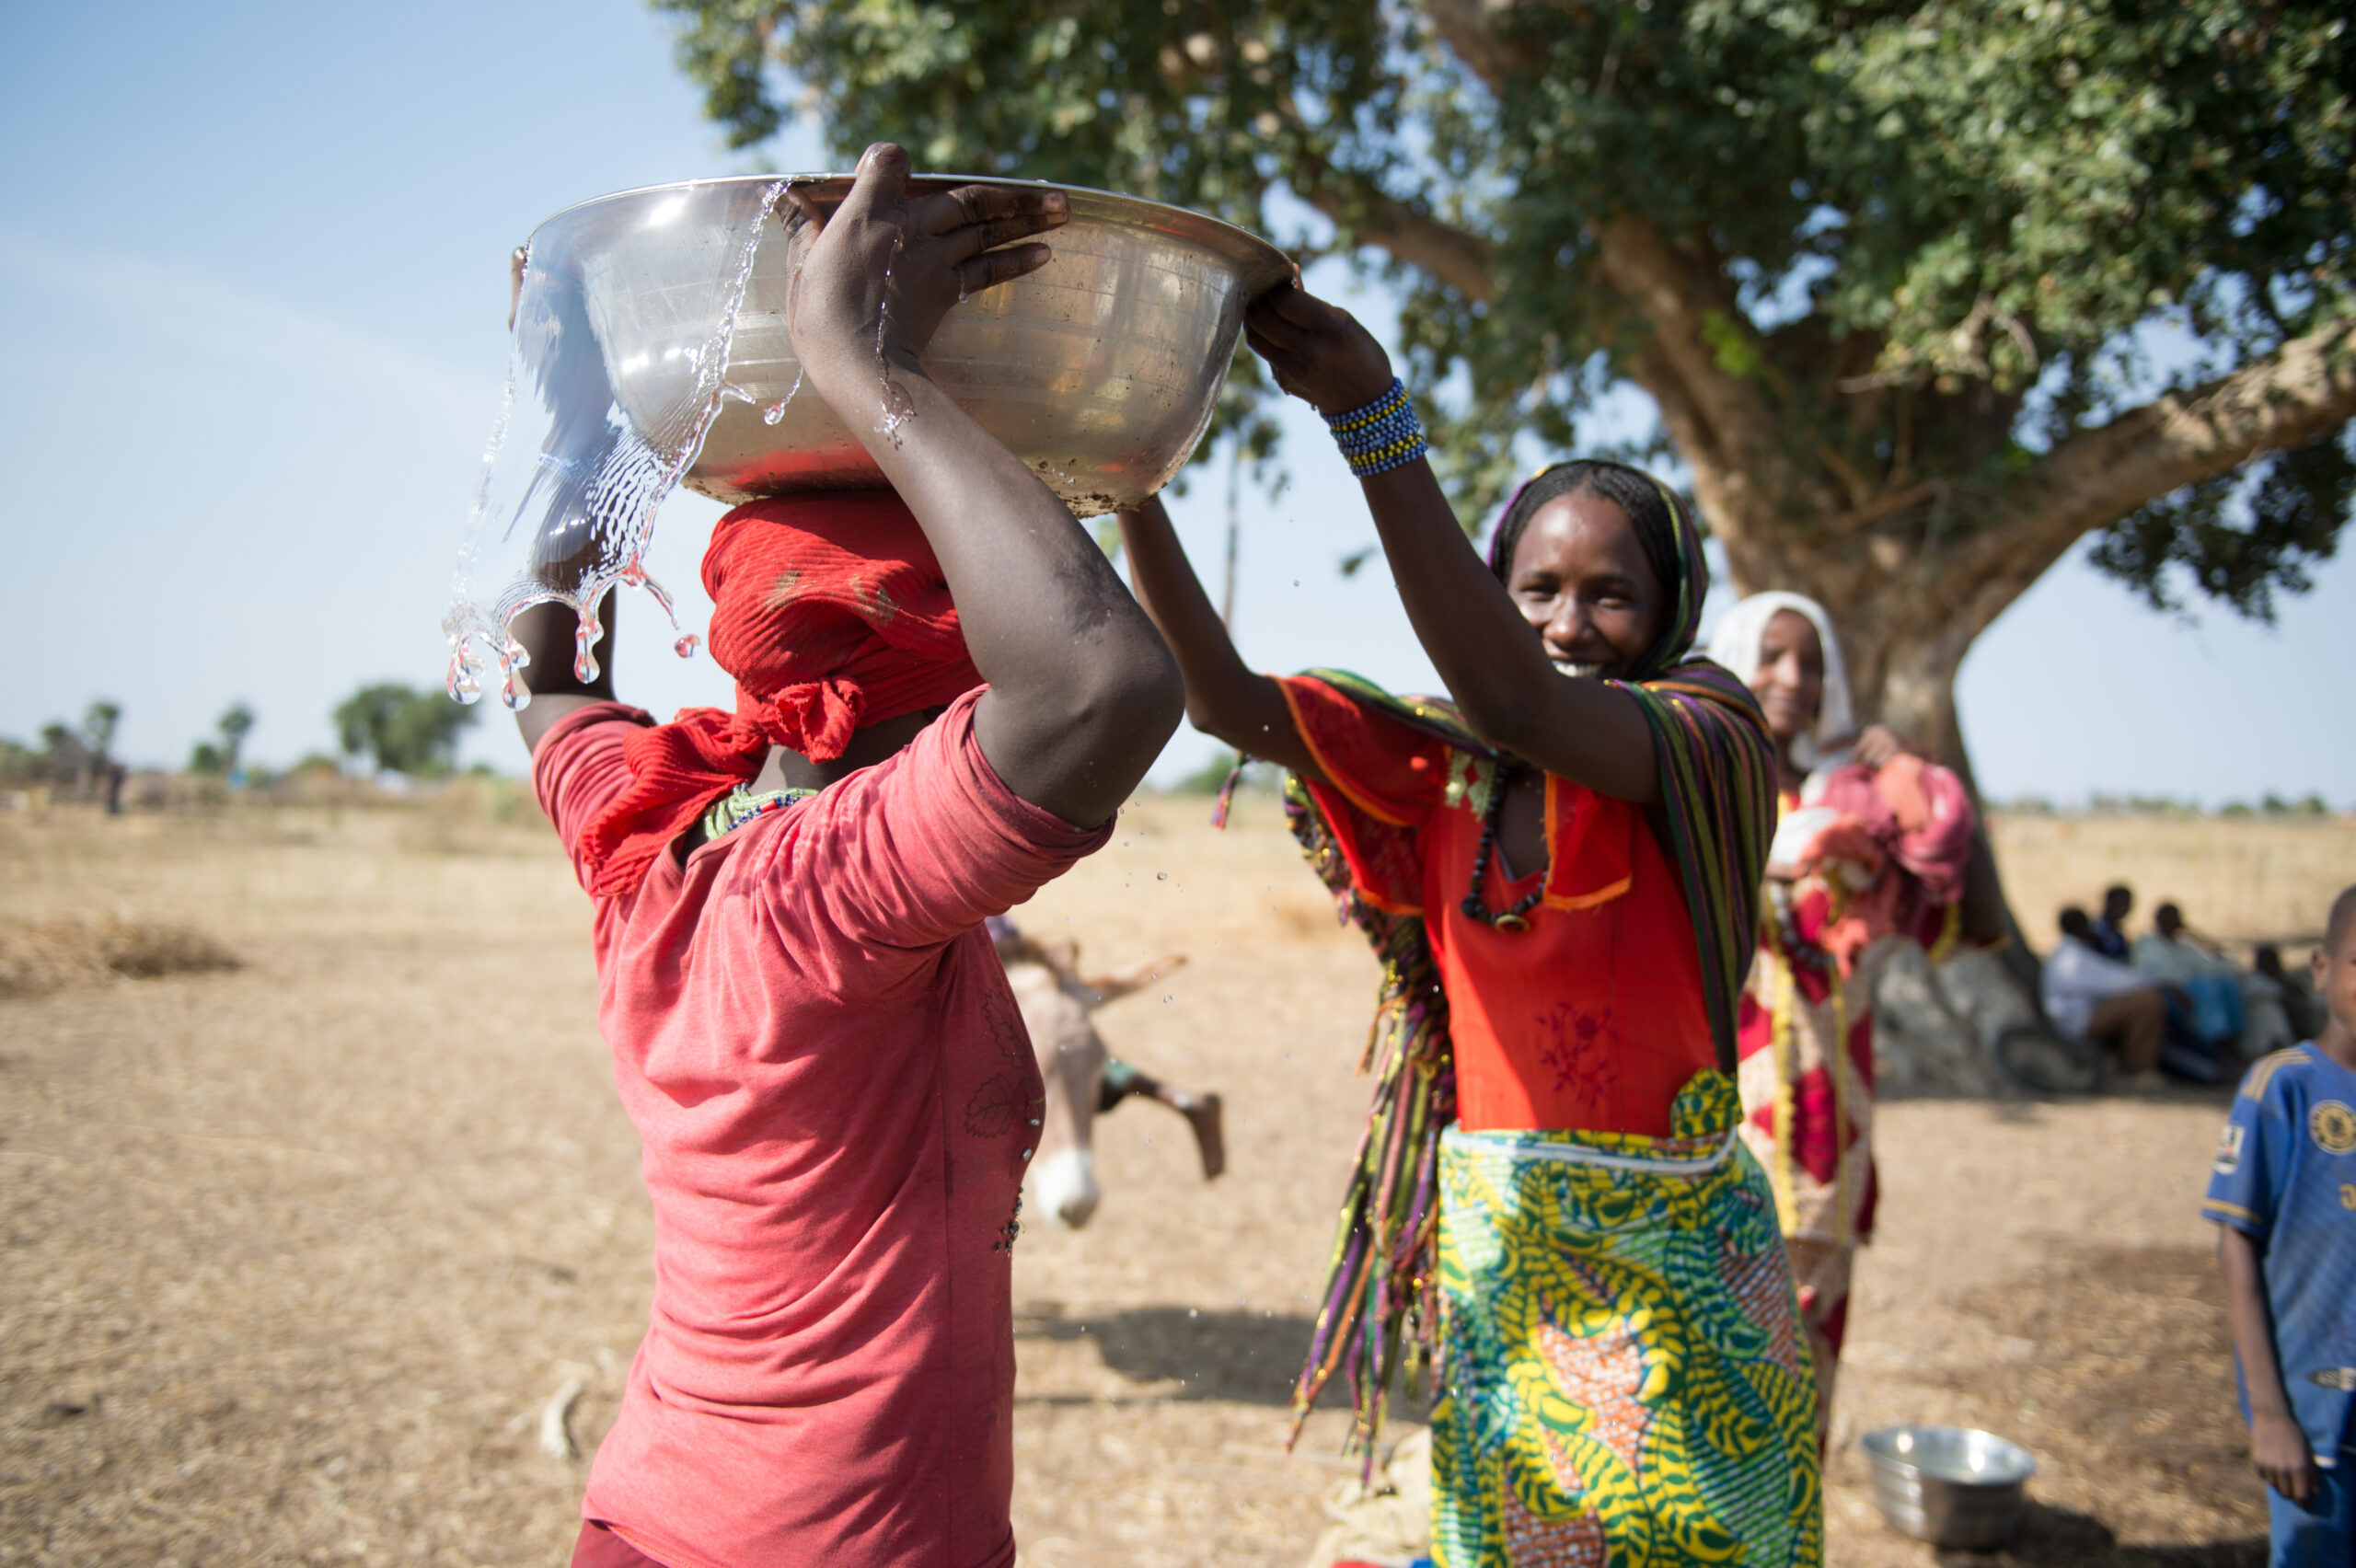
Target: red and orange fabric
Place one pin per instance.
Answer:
(1860, 855)
(1593, 1019)
(831, 613)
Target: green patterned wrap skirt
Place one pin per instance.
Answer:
(1626, 1382)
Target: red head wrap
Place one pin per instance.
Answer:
(832, 614)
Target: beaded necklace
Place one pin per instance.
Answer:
(740, 806)
(1515, 917)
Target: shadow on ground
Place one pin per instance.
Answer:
(2063, 1538)
(1238, 1355)
(2125, 1393)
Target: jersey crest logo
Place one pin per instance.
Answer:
(2229, 1150)
(2333, 1126)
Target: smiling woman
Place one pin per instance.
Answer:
(1873, 844)
(1559, 871)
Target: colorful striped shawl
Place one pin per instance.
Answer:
(1717, 813)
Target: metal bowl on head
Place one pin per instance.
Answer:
(1099, 370)
(1949, 1485)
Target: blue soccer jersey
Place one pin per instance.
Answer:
(2285, 1176)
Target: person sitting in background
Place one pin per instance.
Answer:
(2170, 953)
(2110, 935)
(2292, 993)
(2101, 1000)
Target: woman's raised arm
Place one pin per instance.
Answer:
(1082, 692)
(1488, 656)
(1225, 698)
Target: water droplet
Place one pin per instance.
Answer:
(776, 411)
(1165, 998)
(513, 692)
(584, 644)
(686, 647)
(1192, 1313)
(1162, 876)
(465, 679)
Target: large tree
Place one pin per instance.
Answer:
(1924, 294)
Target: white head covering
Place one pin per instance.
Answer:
(1735, 644)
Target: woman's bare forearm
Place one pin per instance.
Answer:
(1489, 656)
(547, 634)
(1084, 692)
(1491, 660)
(1225, 696)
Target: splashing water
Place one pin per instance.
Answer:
(899, 410)
(616, 368)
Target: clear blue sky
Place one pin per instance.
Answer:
(253, 277)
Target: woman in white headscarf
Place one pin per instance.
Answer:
(1871, 842)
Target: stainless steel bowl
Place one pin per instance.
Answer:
(1099, 370)
(1949, 1485)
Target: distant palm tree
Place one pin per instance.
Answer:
(234, 726)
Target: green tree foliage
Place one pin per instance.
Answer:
(400, 729)
(99, 723)
(236, 721)
(1889, 271)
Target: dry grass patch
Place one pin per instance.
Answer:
(48, 955)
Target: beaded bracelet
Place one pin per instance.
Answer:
(1382, 435)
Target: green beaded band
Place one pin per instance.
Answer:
(740, 806)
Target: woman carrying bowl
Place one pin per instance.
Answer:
(1872, 842)
(810, 1027)
(1560, 871)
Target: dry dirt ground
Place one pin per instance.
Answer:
(292, 1255)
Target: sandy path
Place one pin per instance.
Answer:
(293, 1255)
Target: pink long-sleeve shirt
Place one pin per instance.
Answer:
(814, 1039)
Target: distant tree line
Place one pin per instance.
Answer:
(383, 728)
(2270, 805)
(76, 758)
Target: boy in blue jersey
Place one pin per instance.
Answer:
(2283, 1195)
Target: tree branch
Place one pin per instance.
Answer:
(1460, 259)
(1469, 28)
(2302, 390)
(1724, 422)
